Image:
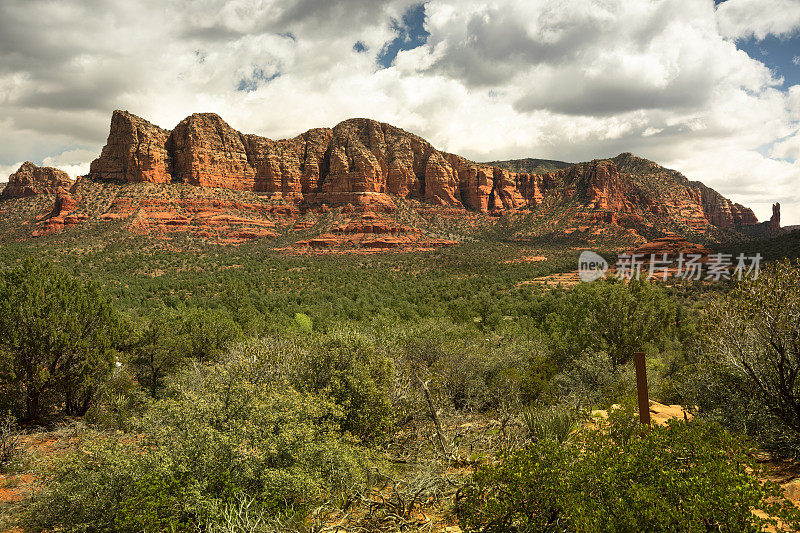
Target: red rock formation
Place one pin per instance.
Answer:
(207, 152)
(201, 217)
(440, 181)
(120, 208)
(323, 241)
(506, 194)
(382, 243)
(134, 152)
(743, 216)
(722, 212)
(604, 188)
(60, 216)
(672, 245)
(368, 164)
(775, 220)
(359, 161)
(597, 185)
(30, 180)
(372, 224)
(530, 187)
(474, 184)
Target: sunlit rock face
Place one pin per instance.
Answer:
(30, 180)
(367, 163)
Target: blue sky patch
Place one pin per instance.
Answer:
(410, 32)
(781, 55)
(258, 78)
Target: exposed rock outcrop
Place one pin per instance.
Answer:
(207, 152)
(369, 164)
(62, 214)
(134, 152)
(30, 180)
(775, 219)
(671, 244)
(603, 187)
(722, 212)
(359, 161)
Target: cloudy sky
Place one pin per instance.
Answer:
(709, 88)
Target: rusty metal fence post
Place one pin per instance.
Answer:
(641, 388)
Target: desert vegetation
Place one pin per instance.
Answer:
(249, 392)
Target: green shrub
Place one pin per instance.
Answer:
(303, 322)
(235, 427)
(591, 379)
(686, 476)
(468, 371)
(205, 334)
(612, 317)
(537, 380)
(241, 516)
(357, 375)
(57, 339)
(157, 349)
(750, 376)
(119, 400)
(343, 365)
(10, 444)
(168, 338)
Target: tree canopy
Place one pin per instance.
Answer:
(57, 338)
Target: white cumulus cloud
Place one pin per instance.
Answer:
(758, 18)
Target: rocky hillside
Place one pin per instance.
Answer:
(531, 165)
(247, 186)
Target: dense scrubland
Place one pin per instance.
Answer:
(241, 389)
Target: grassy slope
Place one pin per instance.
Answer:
(142, 271)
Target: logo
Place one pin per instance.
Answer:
(591, 266)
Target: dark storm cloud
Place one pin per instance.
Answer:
(577, 94)
(496, 46)
(25, 42)
(81, 94)
(213, 34)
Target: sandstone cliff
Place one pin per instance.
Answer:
(358, 161)
(61, 215)
(775, 219)
(370, 164)
(134, 152)
(31, 180)
(722, 212)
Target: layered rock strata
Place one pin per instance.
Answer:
(31, 180)
(722, 212)
(368, 163)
